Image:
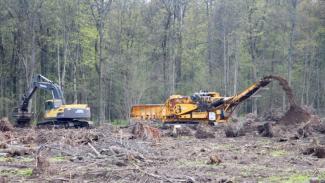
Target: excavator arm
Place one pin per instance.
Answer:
(22, 115)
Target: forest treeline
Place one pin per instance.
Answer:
(112, 54)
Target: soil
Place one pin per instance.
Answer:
(64, 155)
(204, 131)
(295, 114)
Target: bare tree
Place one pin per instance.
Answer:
(100, 9)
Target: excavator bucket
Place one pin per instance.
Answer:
(147, 111)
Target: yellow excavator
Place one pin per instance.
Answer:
(207, 107)
(57, 112)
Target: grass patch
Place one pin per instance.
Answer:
(294, 178)
(120, 122)
(57, 159)
(25, 172)
(3, 159)
(279, 153)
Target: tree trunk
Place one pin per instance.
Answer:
(291, 37)
(2, 87)
(58, 59)
(65, 55)
(165, 50)
(209, 41)
(224, 63)
(303, 93)
(236, 67)
(101, 75)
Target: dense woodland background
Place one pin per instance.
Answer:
(112, 54)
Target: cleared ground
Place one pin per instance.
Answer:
(113, 154)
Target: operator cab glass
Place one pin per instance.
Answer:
(52, 104)
(49, 105)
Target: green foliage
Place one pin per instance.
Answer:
(57, 159)
(120, 122)
(143, 42)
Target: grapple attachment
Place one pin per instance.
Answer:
(22, 118)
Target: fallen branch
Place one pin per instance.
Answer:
(61, 151)
(152, 175)
(94, 149)
(15, 165)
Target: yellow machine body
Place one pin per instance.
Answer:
(207, 107)
(53, 109)
(77, 115)
(179, 108)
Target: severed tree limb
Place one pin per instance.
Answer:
(58, 149)
(94, 149)
(152, 175)
(15, 165)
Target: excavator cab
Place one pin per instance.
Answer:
(52, 104)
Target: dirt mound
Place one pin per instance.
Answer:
(295, 114)
(204, 131)
(234, 131)
(5, 125)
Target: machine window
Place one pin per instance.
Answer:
(49, 105)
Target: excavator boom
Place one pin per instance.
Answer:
(41, 82)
